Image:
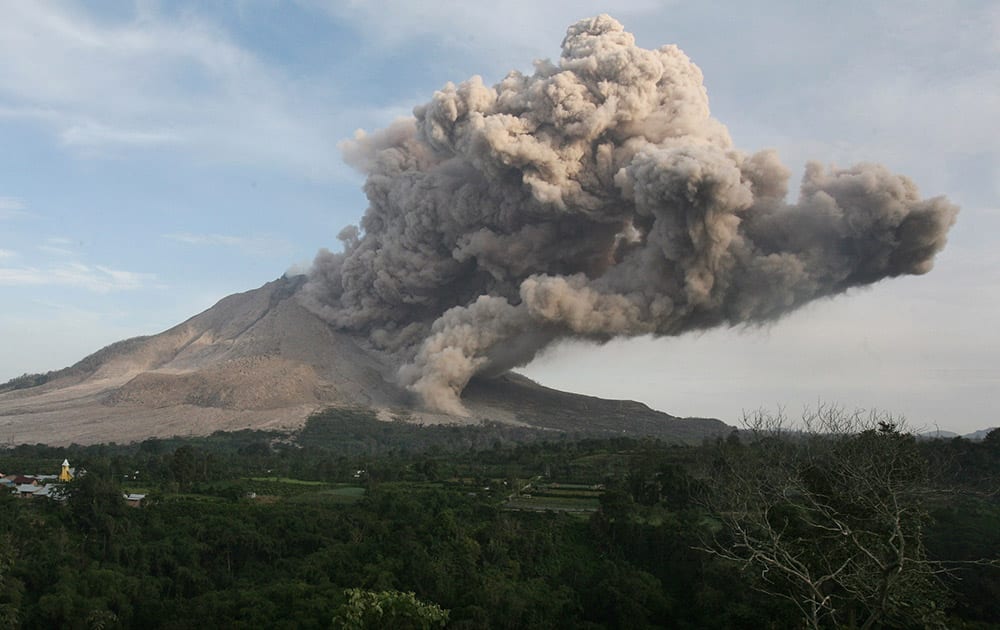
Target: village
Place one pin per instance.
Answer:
(49, 486)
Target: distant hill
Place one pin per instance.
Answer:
(979, 435)
(947, 435)
(938, 434)
(260, 360)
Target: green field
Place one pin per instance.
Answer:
(557, 497)
(301, 482)
(344, 495)
(553, 504)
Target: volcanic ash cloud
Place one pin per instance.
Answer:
(592, 199)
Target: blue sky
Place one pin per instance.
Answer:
(159, 156)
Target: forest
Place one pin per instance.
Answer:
(354, 523)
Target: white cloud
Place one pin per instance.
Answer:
(57, 246)
(55, 251)
(6, 253)
(10, 203)
(98, 279)
(92, 134)
(103, 87)
(254, 245)
(206, 239)
(11, 207)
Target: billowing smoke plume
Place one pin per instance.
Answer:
(592, 199)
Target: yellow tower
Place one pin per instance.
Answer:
(65, 474)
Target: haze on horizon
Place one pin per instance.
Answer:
(191, 152)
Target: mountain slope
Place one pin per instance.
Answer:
(260, 360)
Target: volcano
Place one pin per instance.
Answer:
(260, 360)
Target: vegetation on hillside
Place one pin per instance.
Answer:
(25, 381)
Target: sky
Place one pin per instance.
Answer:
(158, 156)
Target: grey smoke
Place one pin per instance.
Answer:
(594, 198)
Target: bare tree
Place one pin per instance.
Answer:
(829, 517)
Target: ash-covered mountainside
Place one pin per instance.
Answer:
(259, 359)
